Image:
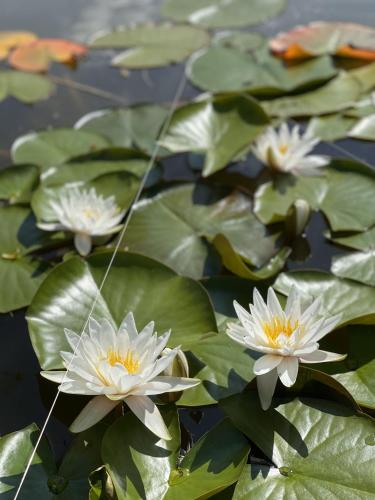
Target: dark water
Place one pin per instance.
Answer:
(94, 85)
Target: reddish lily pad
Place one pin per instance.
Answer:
(38, 55)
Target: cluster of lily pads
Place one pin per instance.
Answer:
(205, 255)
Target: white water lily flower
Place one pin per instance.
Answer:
(285, 337)
(119, 366)
(86, 214)
(288, 151)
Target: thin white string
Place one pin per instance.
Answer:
(175, 101)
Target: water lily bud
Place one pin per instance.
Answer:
(297, 218)
(178, 368)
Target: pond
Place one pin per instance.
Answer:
(93, 85)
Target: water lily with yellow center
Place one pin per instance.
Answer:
(288, 151)
(285, 337)
(86, 214)
(116, 366)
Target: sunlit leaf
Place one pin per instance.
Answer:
(24, 87)
(344, 193)
(338, 94)
(219, 14)
(360, 383)
(52, 147)
(331, 127)
(354, 301)
(219, 127)
(311, 442)
(152, 45)
(175, 226)
(227, 69)
(15, 451)
(364, 129)
(336, 38)
(39, 54)
(126, 127)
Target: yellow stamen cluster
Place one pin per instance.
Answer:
(279, 326)
(90, 213)
(129, 361)
(283, 149)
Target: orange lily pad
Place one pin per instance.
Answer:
(11, 39)
(342, 39)
(39, 54)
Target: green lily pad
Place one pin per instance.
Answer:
(122, 185)
(357, 266)
(126, 127)
(82, 457)
(344, 193)
(52, 147)
(151, 46)
(221, 14)
(145, 466)
(223, 366)
(87, 168)
(331, 127)
(25, 87)
(147, 288)
(358, 241)
(365, 75)
(220, 127)
(244, 41)
(18, 182)
(219, 69)
(21, 273)
(360, 383)
(175, 225)
(311, 441)
(233, 261)
(338, 94)
(354, 301)
(15, 451)
(364, 129)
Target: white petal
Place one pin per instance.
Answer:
(82, 242)
(54, 375)
(293, 306)
(147, 412)
(321, 357)
(266, 387)
(72, 338)
(327, 327)
(266, 363)
(311, 311)
(162, 384)
(243, 315)
(92, 413)
(128, 325)
(288, 370)
(50, 226)
(273, 303)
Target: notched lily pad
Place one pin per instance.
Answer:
(18, 182)
(220, 127)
